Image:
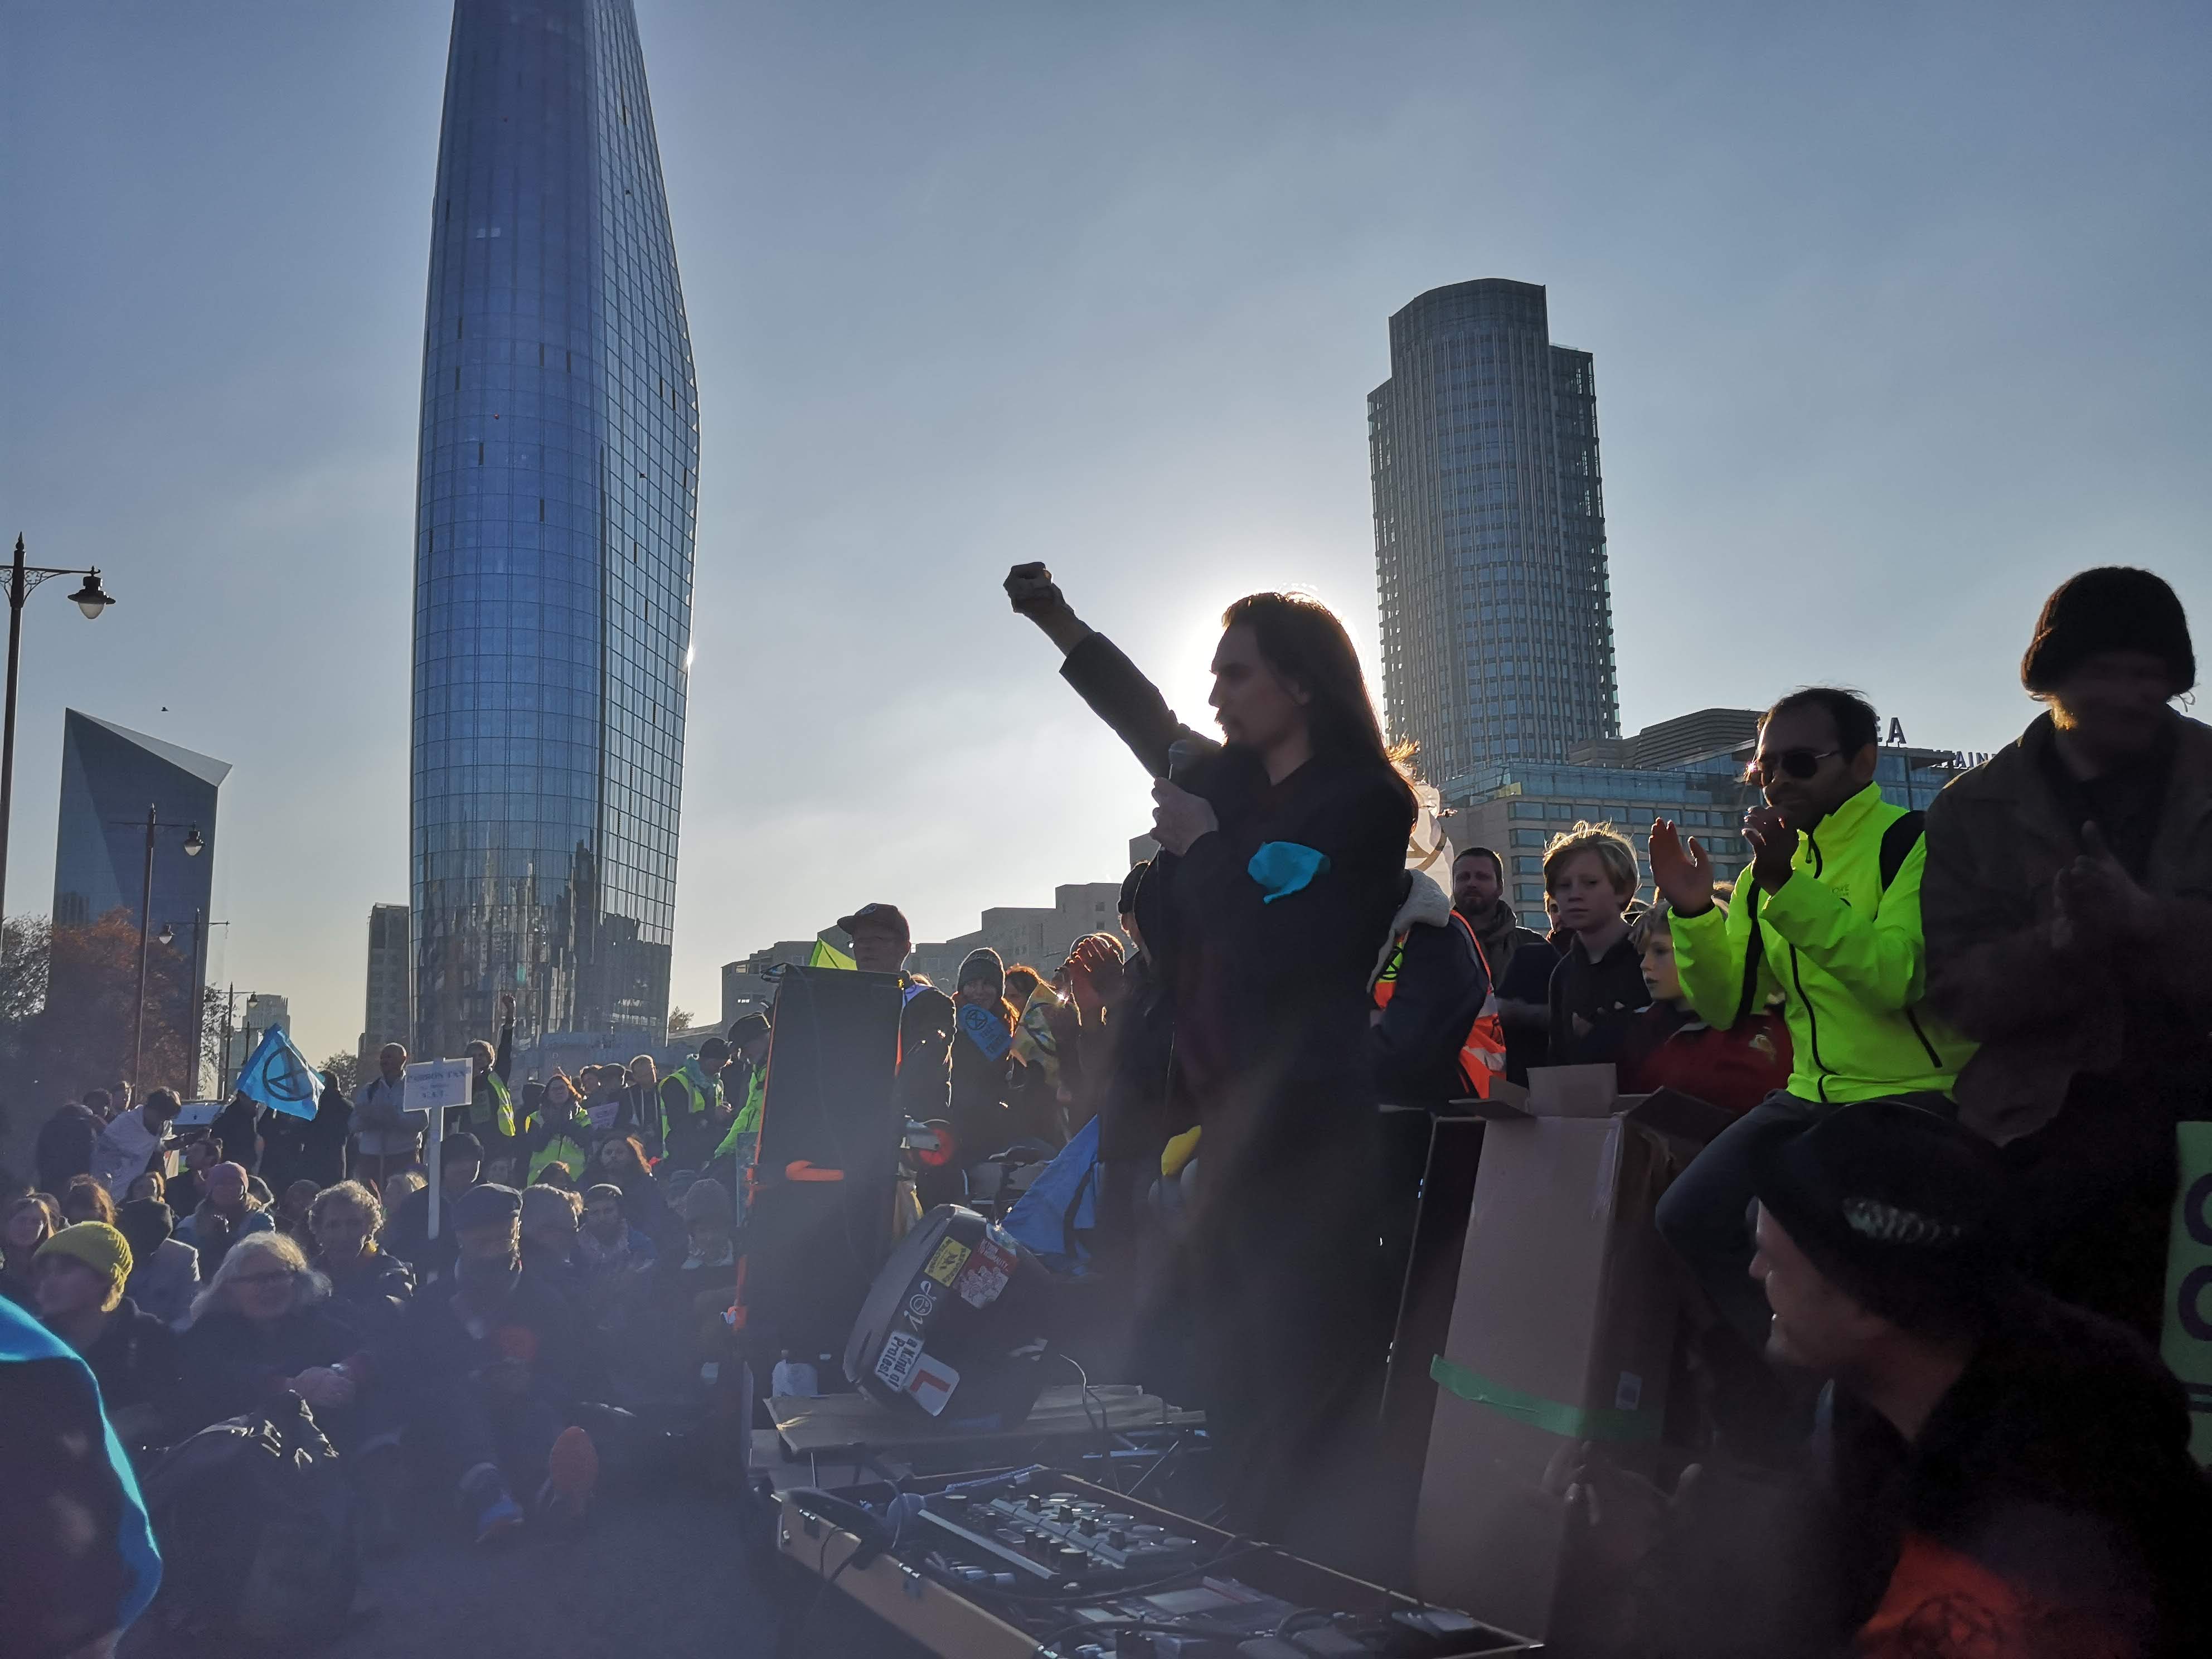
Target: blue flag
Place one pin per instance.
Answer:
(280, 1078)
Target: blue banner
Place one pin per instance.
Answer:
(279, 1077)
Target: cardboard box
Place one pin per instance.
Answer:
(1562, 1333)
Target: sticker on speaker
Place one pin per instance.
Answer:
(922, 1302)
(945, 1264)
(932, 1384)
(894, 1364)
(978, 1286)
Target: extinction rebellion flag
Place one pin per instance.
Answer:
(280, 1078)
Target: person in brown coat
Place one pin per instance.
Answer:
(2068, 911)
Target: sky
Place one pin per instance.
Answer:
(1898, 313)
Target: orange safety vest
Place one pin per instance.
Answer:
(1482, 1051)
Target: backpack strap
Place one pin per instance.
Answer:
(1898, 842)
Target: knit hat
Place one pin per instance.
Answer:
(146, 1224)
(2112, 608)
(462, 1148)
(1902, 1208)
(101, 1248)
(707, 1199)
(984, 964)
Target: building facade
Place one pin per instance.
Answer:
(1489, 558)
(555, 520)
(388, 1015)
(110, 777)
(1690, 769)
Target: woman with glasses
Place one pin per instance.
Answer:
(263, 1330)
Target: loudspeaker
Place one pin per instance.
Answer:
(818, 1225)
(955, 1324)
(831, 1063)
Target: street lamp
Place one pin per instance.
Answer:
(91, 598)
(193, 846)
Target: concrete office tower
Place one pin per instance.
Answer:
(1489, 536)
(555, 514)
(386, 1016)
(110, 777)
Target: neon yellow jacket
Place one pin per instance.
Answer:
(1845, 953)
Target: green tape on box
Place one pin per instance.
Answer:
(2186, 1344)
(1569, 1422)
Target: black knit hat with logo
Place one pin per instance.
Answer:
(2112, 608)
(1901, 1207)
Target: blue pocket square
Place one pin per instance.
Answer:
(1283, 867)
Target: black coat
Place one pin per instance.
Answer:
(407, 1235)
(239, 1127)
(1271, 1004)
(1605, 994)
(371, 1298)
(136, 1360)
(64, 1147)
(234, 1366)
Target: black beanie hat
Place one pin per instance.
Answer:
(1904, 1209)
(2112, 608)
(985, 965)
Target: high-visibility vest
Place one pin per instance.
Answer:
(561, 1149)
(747, 1121)
(502, 1115)
(1482, 1050)
(703, 1093)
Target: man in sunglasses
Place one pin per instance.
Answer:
(1828, 919)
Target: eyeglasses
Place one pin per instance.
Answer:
(1798, 764)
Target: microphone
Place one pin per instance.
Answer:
(1187, 755)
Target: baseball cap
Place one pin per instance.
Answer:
(887, 917)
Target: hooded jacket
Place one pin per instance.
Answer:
(1845, 953)
(1441, 984)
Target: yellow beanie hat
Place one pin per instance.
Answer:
(101, 1248)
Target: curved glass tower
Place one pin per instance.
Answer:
(555, 518)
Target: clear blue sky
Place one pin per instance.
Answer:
(1899, 313)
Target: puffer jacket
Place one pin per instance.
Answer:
(1845, 953)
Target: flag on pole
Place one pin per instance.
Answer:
(826, 955)
(279, 1077)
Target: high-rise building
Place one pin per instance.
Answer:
(388, 1017)
(556, 515)
(1489, 536)
(110, 777)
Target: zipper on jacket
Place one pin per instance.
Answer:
(1913, 1019)
(1820, 1072)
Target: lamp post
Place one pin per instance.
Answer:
(92, 599)
(169, 936)
(193, 846)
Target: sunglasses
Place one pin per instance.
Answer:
(1798, 764)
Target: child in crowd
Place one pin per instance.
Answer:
(1590, 872)
(1669, 1046)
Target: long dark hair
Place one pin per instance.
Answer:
(1302, 640)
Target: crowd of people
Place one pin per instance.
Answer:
(1926, 1259)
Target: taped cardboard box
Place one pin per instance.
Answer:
(1562, 1333)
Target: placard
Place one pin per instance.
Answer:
(2186, 1345)
(432, 1084)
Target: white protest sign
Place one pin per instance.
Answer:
(435, 1087)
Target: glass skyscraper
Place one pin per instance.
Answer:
(1489, 536)
(555, 521)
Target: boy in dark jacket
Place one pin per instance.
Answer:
(1596, 989)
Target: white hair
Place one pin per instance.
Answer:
(309, 1288)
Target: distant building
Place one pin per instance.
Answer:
(1490, 556)
(556, 515)
(746, 988)
(389, 1014)
(1039, 936)
(110, 777)
(1689, 769)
